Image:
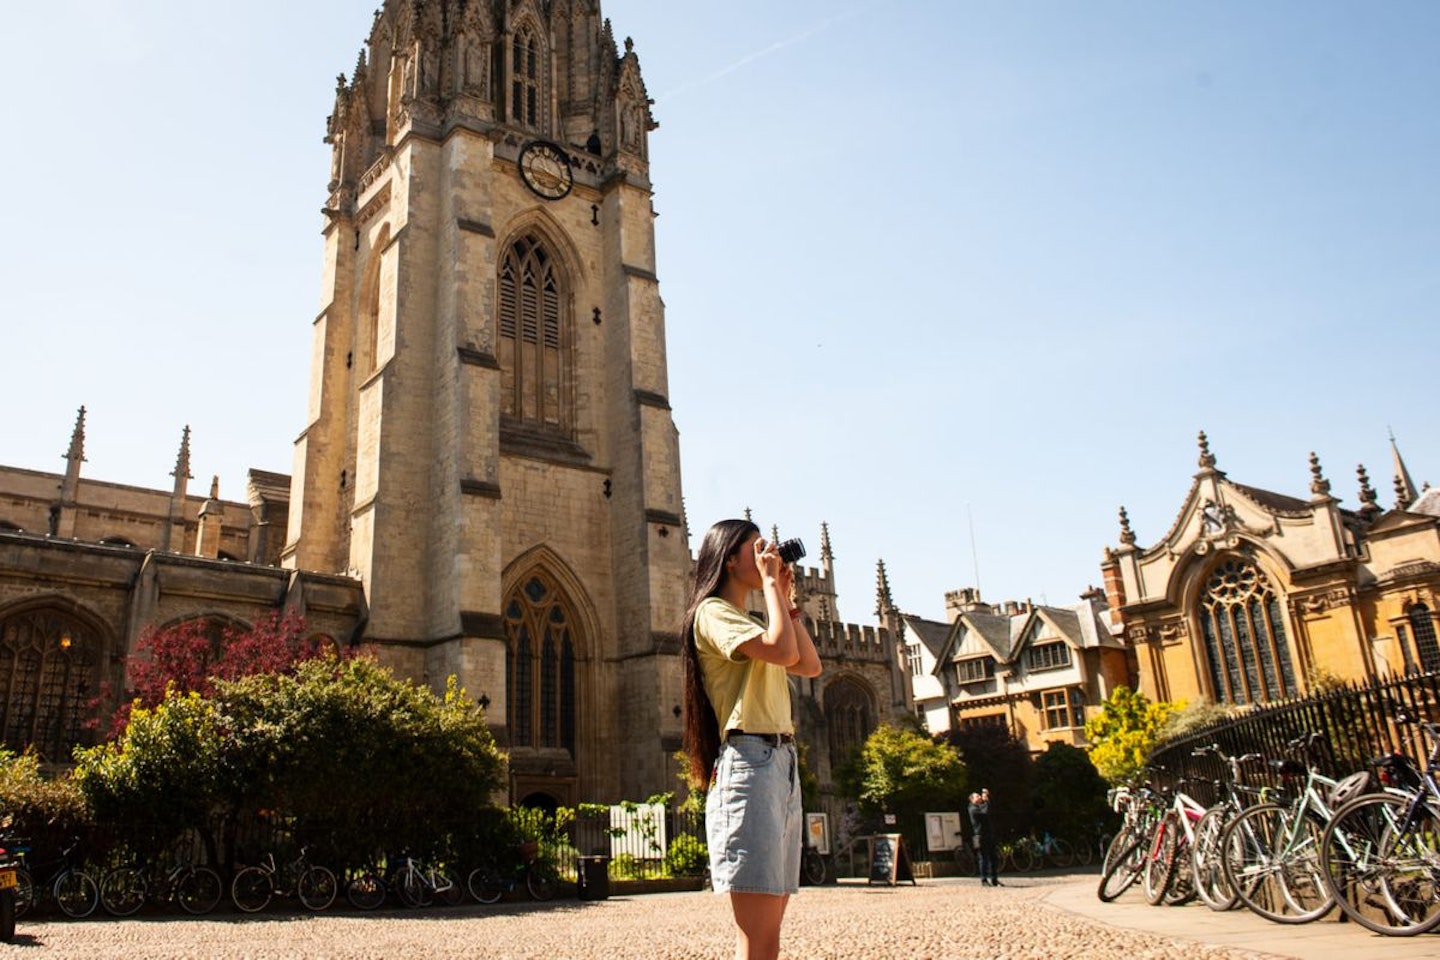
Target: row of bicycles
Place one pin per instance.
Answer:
(1370, 845)
(1028, 854)
(199, 889)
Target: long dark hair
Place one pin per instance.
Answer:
(702, 727)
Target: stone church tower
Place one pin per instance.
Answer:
(489, 446)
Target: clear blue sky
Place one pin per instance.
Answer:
(997, 261)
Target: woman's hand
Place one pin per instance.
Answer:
(767, 560)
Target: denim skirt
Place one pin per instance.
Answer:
(752, 818)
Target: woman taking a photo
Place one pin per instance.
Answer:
(738, 731)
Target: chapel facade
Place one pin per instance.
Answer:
(1254, 596)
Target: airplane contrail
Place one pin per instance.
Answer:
(750, 58)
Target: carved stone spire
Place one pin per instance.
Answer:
(1127, 536)
(748, 518)
(1319, 486)
(884, 602)
(76, 453)
(1405, 489)
(182, 459)
(1369, 507)
(1207, 459)
(774, 533)
(826, 555)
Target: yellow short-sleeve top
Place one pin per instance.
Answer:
(747, 694)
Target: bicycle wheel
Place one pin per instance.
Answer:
(122, 891)
(24, 892)
(316, 887)
(485, 884)
(1119, 844)
(1084, 851)
(76, 894)
(1018, 857)
(965, 859)
(540, 882)
(199, 890)
(449, 890)
(1376, 868)
(1061, 853)
(365, 891)
(1274, 865)
(1122, 868)
(1160, 859)
(252, 889)
(814, 867)
(1206, 866)
(409, 887)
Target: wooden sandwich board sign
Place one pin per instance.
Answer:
(889, 863)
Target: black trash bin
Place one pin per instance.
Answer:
(593, 878)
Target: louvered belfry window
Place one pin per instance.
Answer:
(532, 336)
(1244, 632)
(525, 74)
(541, 666)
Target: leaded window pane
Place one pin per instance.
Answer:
(1422, 625)
(48, 678)
(1247, 655)
(540, 664)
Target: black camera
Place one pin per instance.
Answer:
(790, 550)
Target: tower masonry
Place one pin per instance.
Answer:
(489, 445)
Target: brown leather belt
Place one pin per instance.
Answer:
(774, 739)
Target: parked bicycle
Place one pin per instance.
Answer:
(419, 885)
(1207, 866)
(1271, 851)
(312, 884)
(1167, 876)
(1381, 851)
(489, 883)
(196, 888)
(75, 892)
(812, 865)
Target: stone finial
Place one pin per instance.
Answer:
(1207, 459)
(215, 487)
(182, 459)
(1127, 536)
(884, 602)
(76, 453)
(774, 533)
(1369, 505)
(825, 552)
(748, 518)
(629, 45)
(1319, 486)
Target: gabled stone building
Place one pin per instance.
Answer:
(1253, 595)
(1039, 671)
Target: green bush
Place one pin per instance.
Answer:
(46, 812)
(687, 856)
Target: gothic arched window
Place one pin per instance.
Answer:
(1244, 633)
(849, 717)
(526, 70)
(540, 665)
(533, 351)
(48, 663)
(1422, 625)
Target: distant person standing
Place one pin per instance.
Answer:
(983, 837)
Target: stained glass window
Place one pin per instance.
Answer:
(540, 666)
(1243, 628)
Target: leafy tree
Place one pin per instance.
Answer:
(1124, 732)
(353, 759)
(906, 773)
(1069, 795)
(995, 759)
(193, 654)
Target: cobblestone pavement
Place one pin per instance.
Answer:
(953, 920)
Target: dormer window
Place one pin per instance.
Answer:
(974, 670)
(1048, 656)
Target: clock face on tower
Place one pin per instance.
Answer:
(545, 168)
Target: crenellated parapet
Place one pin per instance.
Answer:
(850, 641)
